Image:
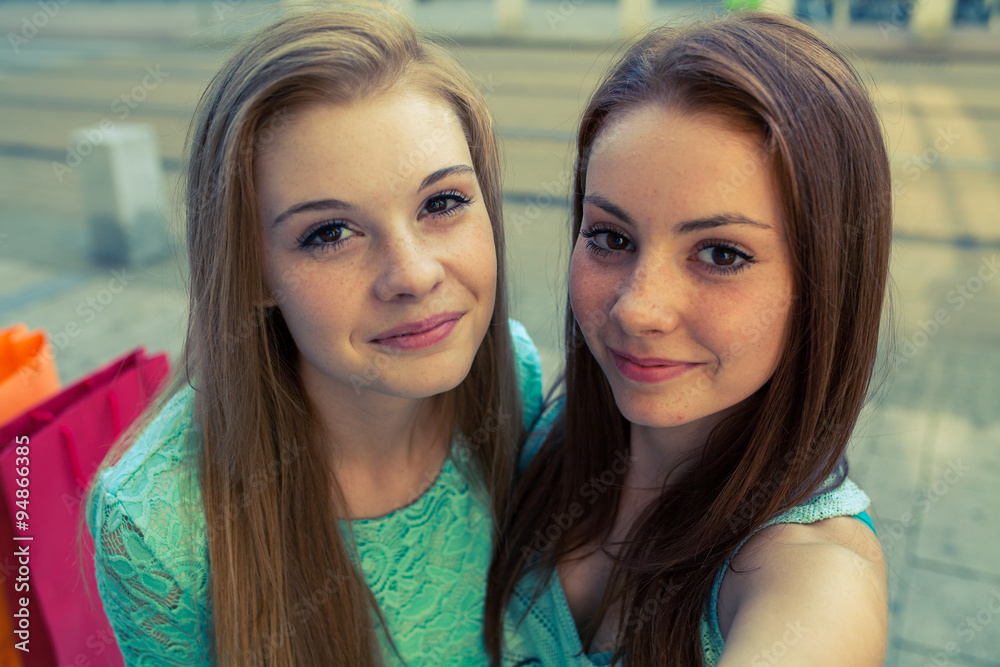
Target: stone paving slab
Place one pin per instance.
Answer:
(889, 450)
(941, 402)
(103, 313)
(956, 517)
(953, 616)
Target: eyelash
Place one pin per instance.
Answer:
(590, 233)
(462, 200)
(305, 241)
(747, 258)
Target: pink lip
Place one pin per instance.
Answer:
(418, 335)
(648, 370)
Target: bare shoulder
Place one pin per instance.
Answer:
(814, 593)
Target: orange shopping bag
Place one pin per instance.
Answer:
(27, 370)
(27, 377)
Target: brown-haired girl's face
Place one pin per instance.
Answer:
(681, 278)
(377, 246)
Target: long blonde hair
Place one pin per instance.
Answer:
(263, 472)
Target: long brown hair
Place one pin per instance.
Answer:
(777, 80)
(262, 467)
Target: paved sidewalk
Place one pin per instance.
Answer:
(928, 451)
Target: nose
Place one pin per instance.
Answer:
(410, 269)
(649, 302)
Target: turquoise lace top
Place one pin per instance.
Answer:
(547, 635)
(425, 563)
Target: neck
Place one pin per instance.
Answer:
(662, 455)
(370, 430)
(385, 431)
(385, 451)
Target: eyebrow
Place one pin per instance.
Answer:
(717, 221)
(317, 205)
(686, 227)
(338, 205)
(444, 173)
(605, 204)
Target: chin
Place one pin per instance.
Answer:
(652, 411)
(439, 380)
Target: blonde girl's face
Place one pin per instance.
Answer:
(681, 277)
(377, 245)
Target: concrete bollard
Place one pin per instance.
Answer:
(634, 15)
(783, 7)
(841, 14)
(931, 20)
(510, 14)
(123, 192)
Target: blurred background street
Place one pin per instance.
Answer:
(928, 452)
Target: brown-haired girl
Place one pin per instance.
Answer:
(686, 501)
(321, 487)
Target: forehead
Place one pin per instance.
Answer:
(665, 164)
(388, 141)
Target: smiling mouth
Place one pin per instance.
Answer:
(418, 335)
(648, 370)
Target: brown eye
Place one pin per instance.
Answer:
(723, 256)
(603, 242)
(617, 242)
(329, 234)
(444, 204)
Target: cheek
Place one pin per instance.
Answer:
(288, 283)
(587, 291)
(484, 257)
(474, 257)
(756, 336)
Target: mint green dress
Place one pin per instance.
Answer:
(547, 635)
(426, 563)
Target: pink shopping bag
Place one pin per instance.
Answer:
(48, 456)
